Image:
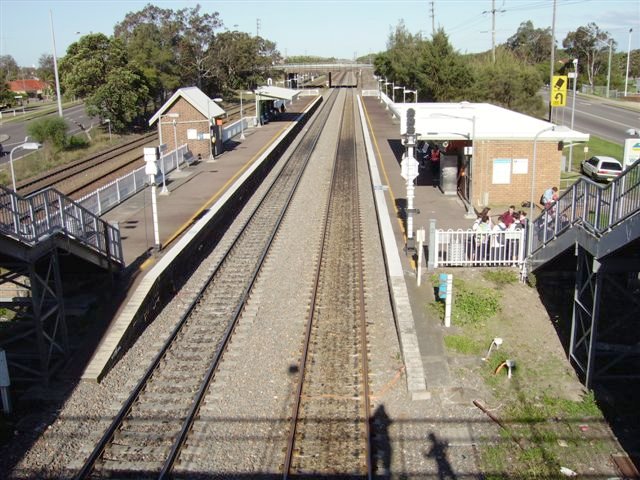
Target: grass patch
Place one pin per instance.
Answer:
(36, 163)
(472, 304)
(596, 146)
(501, 276)
(463, 345)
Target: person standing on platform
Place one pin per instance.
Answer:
(435, 162)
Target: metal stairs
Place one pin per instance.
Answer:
(600, 226)
(29, 224)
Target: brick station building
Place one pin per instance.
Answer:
(498, 150)
(187, 118)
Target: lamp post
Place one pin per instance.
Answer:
(175, 142)
(242, 137)
(162, 148)
(626, 76)
(610, 43)
(573, 109)
(108, 121)
(533, 182)
(415, 94)
(394, 92)
(25, 146)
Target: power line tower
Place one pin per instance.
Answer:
(257, 27)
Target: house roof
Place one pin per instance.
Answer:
(197, 98)
(27, 85)
(280, 93)
(480, 121)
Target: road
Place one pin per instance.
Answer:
(16, 131)
(600, 117)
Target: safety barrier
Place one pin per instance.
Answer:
(113, 193)
(594, 207)
(33, 219)
(469, 248)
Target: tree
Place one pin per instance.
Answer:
(122, 98)
(590, 46)
(510, 83)
(151, 37)
(9, 68)
(529, 44)
(88, 62)
(448, 76)
(196, 37)
(51, 132)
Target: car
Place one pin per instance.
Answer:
(602, 168)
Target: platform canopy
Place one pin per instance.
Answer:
(479, 121)
(269, 92)
(197, 98)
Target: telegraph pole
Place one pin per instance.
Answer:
(553, 54)
(493, 28)
(433, 18)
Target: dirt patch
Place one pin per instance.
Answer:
(552, 420)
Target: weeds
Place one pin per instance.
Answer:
(501, 277)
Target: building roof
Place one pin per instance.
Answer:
(197, 98)
(277, 93)
(27, 85)
(480, 121)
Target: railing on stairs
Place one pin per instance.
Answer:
(33, 219)
(591, 206)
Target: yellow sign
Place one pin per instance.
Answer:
(559, 91)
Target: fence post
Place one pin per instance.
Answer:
(432, 260)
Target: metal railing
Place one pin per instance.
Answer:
(112, 194)
(594, 207)
(470, 248)
(33, 219)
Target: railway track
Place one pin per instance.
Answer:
(74, 178)
(329, 432)
(151, 429)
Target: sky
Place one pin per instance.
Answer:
(343, 29)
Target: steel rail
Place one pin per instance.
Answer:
(108, 435)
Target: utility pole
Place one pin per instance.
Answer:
(433, 18)
(553, 54)
(493, 28)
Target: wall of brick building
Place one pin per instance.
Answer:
(547, 171)
(189, 118)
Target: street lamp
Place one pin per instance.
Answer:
(394, 92)
(533, 182)
(107, 120)
(573, 109)
(242, 137)
(385, 86)
(415, 94)
(25, 146)
(626, 76)
(175, 141)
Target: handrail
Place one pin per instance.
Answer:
(588, 205)
(39, 216)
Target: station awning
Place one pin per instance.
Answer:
(270, 92)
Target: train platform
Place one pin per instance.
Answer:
(197, 188)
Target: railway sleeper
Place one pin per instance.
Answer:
(133, 438)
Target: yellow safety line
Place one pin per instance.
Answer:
(215, 196)
(386, 179)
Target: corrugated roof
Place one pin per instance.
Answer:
(197, 98)
(279, 93)
(481, 121)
